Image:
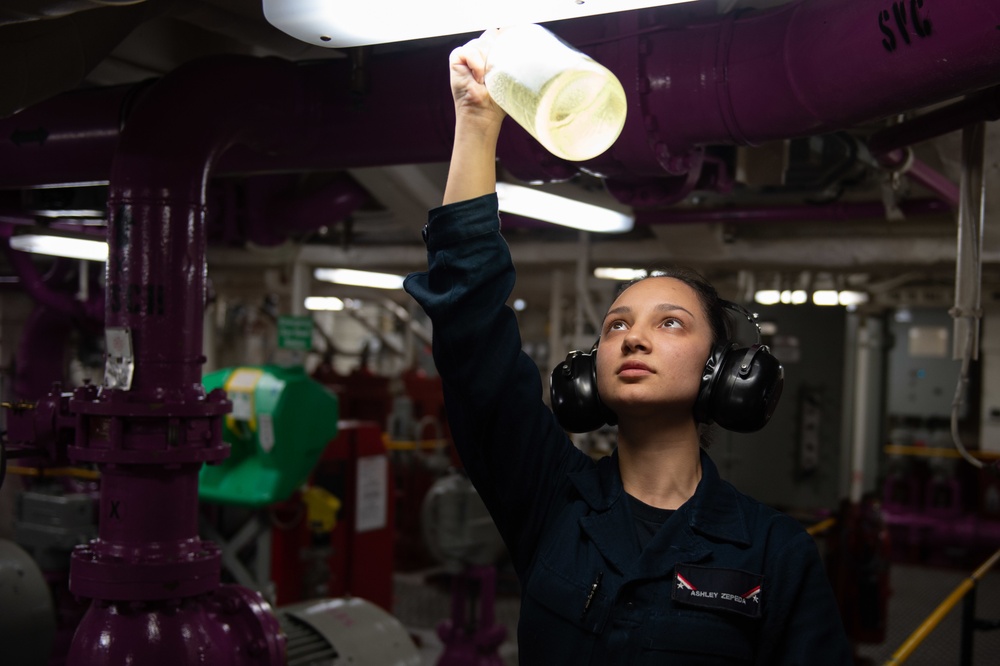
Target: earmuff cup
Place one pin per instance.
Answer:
(740, 388)
(573, 390)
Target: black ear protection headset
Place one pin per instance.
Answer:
(739, 390)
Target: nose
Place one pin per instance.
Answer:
(634, 341)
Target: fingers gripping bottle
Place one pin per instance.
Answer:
(572, 105)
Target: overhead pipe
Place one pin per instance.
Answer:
(300, 210)
(807, 68)
(744, 78)
(65, 140)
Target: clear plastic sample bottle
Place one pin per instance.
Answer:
(574, 106)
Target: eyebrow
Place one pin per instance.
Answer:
(662, 307)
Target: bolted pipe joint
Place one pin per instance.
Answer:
(40, 432)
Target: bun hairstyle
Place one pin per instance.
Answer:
(740, 385)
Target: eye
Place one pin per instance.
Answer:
(672, 322)
(617, 325)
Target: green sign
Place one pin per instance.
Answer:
(295, 332)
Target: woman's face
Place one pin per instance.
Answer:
(654, 343)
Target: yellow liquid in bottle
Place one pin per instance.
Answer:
(576, 115)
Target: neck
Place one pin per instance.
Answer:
(660, 468)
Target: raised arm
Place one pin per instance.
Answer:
(477, 125)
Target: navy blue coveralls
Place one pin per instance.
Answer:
(725, 580)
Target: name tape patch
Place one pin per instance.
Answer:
(724, 589)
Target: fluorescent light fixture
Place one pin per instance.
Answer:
(538, 205)
(852, 298)
(767, 296)
(74, 213)
(826, 297)
(622, 274)
(774, 296)
(61, 246)
(343, 23)
(797, 297)
(359, 278)
(329, 303)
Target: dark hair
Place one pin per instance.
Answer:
(711, 305)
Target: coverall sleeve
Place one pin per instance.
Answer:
(510, 443)
(804, 626)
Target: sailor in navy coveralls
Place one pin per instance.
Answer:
(646, 556)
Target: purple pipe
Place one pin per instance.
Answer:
(70, 138)
(151, 434)
(48, 327)
(745, 78)
(811, 66)
(921, 173)
(85, 313)
(157, 199)
(276, 208)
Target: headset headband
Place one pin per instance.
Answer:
(743, 312)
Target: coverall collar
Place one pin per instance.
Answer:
(712, 511)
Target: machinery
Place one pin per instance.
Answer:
(27, 616)
(154, 587)
(461, 535)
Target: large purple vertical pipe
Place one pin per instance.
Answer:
(151, 436)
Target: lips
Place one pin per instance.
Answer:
(634, 368)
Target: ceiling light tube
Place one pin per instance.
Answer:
(826, 297)
(344, 23)
(622, 274)
(538, 205)
(850, 298)
(359, 278)
(767, 297)
(324, 303)
(61, 246)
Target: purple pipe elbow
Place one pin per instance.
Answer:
(157, 201)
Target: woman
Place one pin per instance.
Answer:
(646, 556)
